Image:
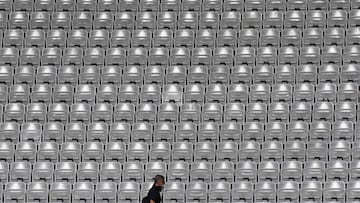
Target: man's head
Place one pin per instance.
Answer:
(159, 181)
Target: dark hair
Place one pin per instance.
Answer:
(158, 177)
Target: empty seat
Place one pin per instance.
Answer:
(37, 191)
(92, 151)
(196, 191)
(201, 171)
(265, 191)
(288, 190)
(291, 171)
(20, 172)
(154, 168)
(6, 154)
(219, 191)
(89, 75)
(15, 191)
(223, 171)
(110, 172)
(119, 132)
(83, 191)
(80, 112)
(70, 151)
(182, 151)
(87, 172)
(48, 151)
(60, 191)
(43, 172)
(317, 150)
(249, 150)
(160, 151)
(133, 171)
(125, 111)
(128, 191)
(242, 191)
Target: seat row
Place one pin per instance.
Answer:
(284, 76)
(189, 112)
(248, 171)
(182, 131)
(180, 38)
(181, 192)
(181, 56)
(175, 93)
(116, 75)
(182, 20)
(172, 5)
(179, 151)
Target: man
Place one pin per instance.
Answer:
(153, 195)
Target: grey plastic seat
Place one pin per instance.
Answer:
(269, 37)
(43, 172)
(352, 189)
(238, 93)
(6, 76)
(259, 93)
(119, 132)
(97, 132)
(170, 5)
(137, 151)
(187, 20)
(4, 92)
(82, 20)
(166, 20)
(265, 191)
(31, 131)
(160, 151)
(200, 171)
(61, 20)
(274, 18)
(36, 112)
(110, 172)
(269, 171)
(288, 55)
(319, 130)
(72, 56)
(244, 55)
(128, 191)
(175, 74)
(345, 111)
(295, 150)
(227, 38)
(342, 130)
(190, 112)
(242, 191)
(94, 56)
(15, 191)
(20, 172)
(334, 190)
(70, 151)
(346, 92)
(93, 151)
(223, 171)
(168, 112)
(37, 191)
(241, 74)
(6, 154)
(107, 93)
(174, 191)
(275, 130)
(183, 38)
(88, 172)
(13, 38)
(145, 20)
(89, 74)
(230, 20)
(212, 112)
(294, 19)
(178, 171)
(51, 56)
(39, 20)
(317, 150)
(124, 112)
(18, 20)
(83, 191)
(19, 93)
(26, 151)
(205, 38)
(133, 172)
(46, 75)
(80, 112)
(58, 112)
(9, 56)
(180, 55)
(60, 191)
(323, 111)
(105, 191)
(65, 172)
(216, 93)
(186, 131)
(281, 93)
(337, 170)
(14, 112)
(164, 131)
(223, 56)
(288, 190)
(85, 93)
(201, 56)
(154, 168)
(272, 150)
(249, 151)
(142, 132)
(291, 37)
(204, 151)
(115, 151)
(182, 151)
(316, 18)
(196, 191)
(291, 171)
(56, 38)
(86, 5)
(340, 150)
(219, 191)
(163, 38)
(48, 151)
(252, 19)
(53, 131)
(256, 112)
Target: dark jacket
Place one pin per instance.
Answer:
(153, 194)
